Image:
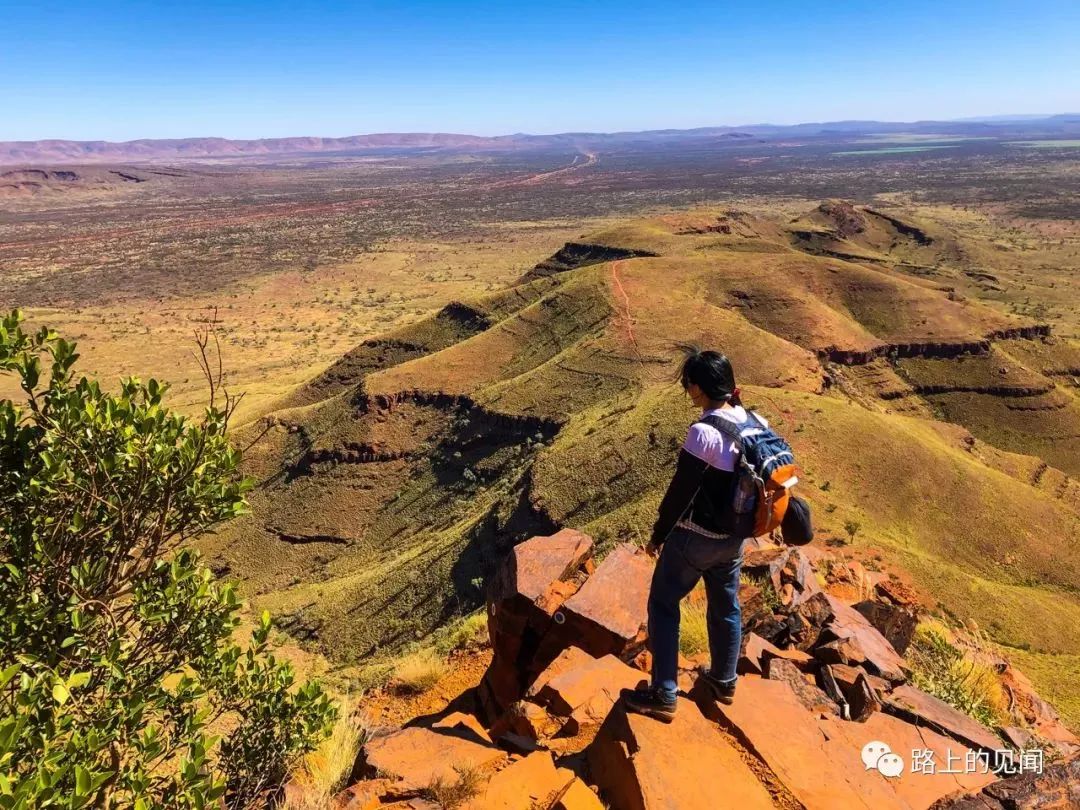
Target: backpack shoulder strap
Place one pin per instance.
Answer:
(729, 429)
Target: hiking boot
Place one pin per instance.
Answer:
(722, 691)
(651, 702)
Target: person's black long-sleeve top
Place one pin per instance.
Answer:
(689, 473)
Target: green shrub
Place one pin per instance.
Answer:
(942, 669)
(117, 658)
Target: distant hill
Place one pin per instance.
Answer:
(945, 430)
(149, 150)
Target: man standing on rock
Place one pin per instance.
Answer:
(697, 536)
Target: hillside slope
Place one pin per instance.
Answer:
(945, 430)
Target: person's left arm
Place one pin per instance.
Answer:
(684, 485)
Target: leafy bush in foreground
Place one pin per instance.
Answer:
(117, 662)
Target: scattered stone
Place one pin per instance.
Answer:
(766, 564)
(896, 593)
(518, 743)
(848, 580)
(757, 651)
(831, 688)
(916, 706)
(798, 572)
(847, 676)
(1036, 713)
(465, 724)
(896, 623)
(813, 613)
(1056, 788)
(862, 642)
(863, 700)
(1018, 738)
(363, 795)
(583, 691)
(787, 595)
(754, 646)
(577, 796)
(414, 757)
(752, 603)
(841, 651)
(527, 720)
(813, 698)
(640, 763)
(529, 783)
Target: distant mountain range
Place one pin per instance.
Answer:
(153, 150)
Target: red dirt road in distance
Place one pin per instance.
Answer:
(591, 159)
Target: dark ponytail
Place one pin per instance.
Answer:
(711, 372)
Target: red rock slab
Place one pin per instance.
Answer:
(414, 757)
(528, 720)
(848, 676)
(920, 789)
(813, 698)
(770, 721)
(766, 563)
(584, 691)
(363, 795)
(757, 651)
(531, 782)
(541, 561)
(608, 613)
(464, 724)
(848, 624)
(1039, 714)
(916, 706)
(643, 764)
(1056, 788)
(577, 796)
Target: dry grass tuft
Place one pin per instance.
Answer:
(693, 627)
(324, 771)
(471, 633)
(449, 794)
(418, 672)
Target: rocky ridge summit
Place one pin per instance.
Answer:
(823, 675)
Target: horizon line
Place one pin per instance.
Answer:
(1003, 118)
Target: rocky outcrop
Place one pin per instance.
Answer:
(534, 581)
(532, 626)
(573, 255)
(931, 350)
(823, 694)
(1056, 788)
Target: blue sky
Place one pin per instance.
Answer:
(262, 68)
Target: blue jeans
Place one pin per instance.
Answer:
(685, 558)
